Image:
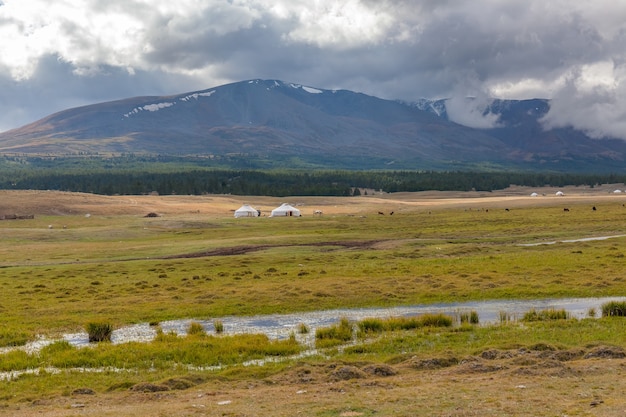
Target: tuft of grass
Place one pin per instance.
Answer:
(195, 328)
(219, 326)
(99, 331)
(376, 325)
(334, 335)
(435, 320)
(468, 317)
(545, 315)
(504, 317)
(303, 328)
(614, 308)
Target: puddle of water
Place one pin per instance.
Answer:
(585, 239)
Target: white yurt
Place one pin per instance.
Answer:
(246, 211)
(285, 210)
(617, 191)
(534, 194)
(559, 193)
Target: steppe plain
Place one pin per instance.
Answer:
(524, 376)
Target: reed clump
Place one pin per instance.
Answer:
(99, 331)
(218, 325)
(334, 335)
(614, 309)
(469, 317)
(375, 325)
(303, 328)
(545, 315)
(195, 328)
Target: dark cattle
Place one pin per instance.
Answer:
(380, 212)
(506, 209)
(391, 214)
(593, 208)
(565, 209)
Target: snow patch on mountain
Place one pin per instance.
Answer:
(307, 89)
(163, 105)
(149, 107)
(196, 95)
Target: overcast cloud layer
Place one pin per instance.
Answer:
(66, 53)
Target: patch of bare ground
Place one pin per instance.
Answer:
(515, 382)
(243, 249)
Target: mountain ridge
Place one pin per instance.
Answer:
(271, 118)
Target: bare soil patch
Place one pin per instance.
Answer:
(244, 249)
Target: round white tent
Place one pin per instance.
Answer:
(534, 194)
(559, 193)
(246, 211)
(285, 210)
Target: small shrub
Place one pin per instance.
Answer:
(99, 331)
(614, 308)
(591, 312)
(219, 326)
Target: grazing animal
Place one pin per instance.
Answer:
(565, 209)
(391, 214)
(506, 209)
(380, 212)
(593, 208)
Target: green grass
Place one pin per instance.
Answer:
(472, 340)
(113, 268)
(123, 270)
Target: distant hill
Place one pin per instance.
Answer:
(267, 119)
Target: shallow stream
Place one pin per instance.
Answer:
(280, 326)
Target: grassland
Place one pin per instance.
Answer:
(87, 258)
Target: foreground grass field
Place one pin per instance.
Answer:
(91, 258)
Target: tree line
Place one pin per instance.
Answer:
(286, 182)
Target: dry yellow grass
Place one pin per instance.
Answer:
(65, 203)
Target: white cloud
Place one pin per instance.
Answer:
(335, 24)
(472, 112)
(78, 51)
(593, 100)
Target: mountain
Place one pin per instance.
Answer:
(268, 119)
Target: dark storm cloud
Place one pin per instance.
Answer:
(78, 52)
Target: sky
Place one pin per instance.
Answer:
(69, 53)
